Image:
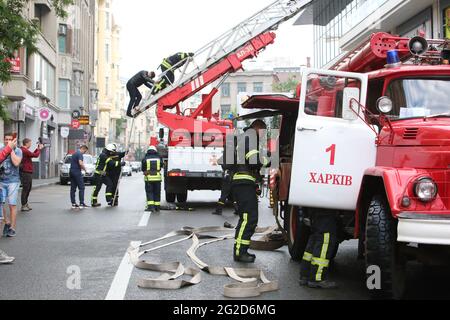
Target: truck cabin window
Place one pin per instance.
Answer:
(325, 95)
(417, 98)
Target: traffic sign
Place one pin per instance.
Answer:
(76, 114)
(65, 131)
(44, 114)
(76, 124)
(84, 120)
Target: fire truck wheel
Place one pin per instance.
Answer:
(298, 232)
(170, 197)
(182, 197)
(382, 250)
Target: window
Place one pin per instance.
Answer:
(225, 111)
(45, 77)
(107, 52)
(107, 21)
(242, 87)
(64, 94)
(62, 38)
(107, 86)
(225, 90)
(258, 87)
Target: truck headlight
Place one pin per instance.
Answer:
(426, 189)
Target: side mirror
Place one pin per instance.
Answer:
(350, 109)
(384, 105)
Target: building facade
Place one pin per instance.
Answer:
(248, 82)
(110, 98)
(341, 25)
(55, 77)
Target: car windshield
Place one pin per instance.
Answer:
(87, 159)
(414, 98)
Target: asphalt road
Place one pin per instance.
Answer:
(54, 245)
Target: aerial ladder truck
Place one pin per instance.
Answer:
(196, 136)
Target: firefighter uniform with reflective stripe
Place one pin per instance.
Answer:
(168, 66)
(321, 246)
(114, 169)
(100, 173)
(152, 165)
(244, 189)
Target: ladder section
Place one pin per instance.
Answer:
(267, 19)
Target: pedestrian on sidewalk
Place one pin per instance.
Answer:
(26, 171)
(76, 177)
(4, 258)
(10, 184)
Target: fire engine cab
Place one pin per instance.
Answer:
(370, 139)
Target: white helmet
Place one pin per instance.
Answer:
(152, 148)
(111, 147)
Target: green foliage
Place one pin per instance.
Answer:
(18, 32)
(119, 127)
(288, 86)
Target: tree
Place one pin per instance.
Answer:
(287, 86)
(17, 31)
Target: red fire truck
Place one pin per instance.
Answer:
(371, 140)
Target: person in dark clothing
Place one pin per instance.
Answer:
(245, 188)
(141, 78)
(226, 194)
(76, 177)
(319, 251)
(26, 171)
(168, 66)
(100, 174)
(152, 166)
(114, 170)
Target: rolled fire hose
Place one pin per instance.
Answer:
(250, 282)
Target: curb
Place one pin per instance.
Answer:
(43, 185)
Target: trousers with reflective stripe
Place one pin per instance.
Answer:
(247, 206)
(322, 245)
(153, 192)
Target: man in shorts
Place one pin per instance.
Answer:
(10, 184)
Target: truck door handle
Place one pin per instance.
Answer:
(301, 129)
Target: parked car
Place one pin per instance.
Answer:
(136, 166)
(88, 175)
(127, 170)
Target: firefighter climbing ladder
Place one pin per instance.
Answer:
(267, 19)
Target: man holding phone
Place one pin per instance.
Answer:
(10, 184)
(26, 171)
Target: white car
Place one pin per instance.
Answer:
(88, 175)
(127, 170)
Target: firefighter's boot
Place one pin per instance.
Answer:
(243, 256)
(95, 205)
(218, 211)
(322, 284)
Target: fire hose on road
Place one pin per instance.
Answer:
(250, 282)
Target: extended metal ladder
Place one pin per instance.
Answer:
(267, 19)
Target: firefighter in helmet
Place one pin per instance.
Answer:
(245, 188)
(100, 173)
(152, 165)
(168, 67)
(113, 173)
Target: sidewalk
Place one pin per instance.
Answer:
(44, 182)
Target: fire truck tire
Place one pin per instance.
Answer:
(170, 197)
(298, 232)
(381, 250)
(182, 197)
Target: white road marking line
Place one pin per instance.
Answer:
(119, 285)
(144, 219)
